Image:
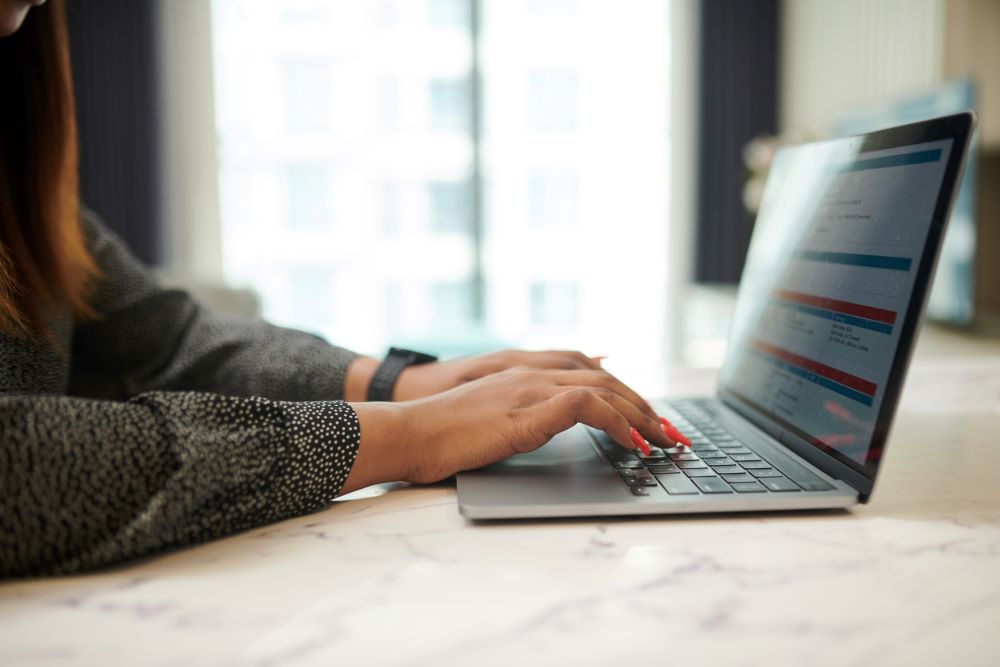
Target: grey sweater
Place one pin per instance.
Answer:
(161, 424)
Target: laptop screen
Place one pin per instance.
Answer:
(828, 282)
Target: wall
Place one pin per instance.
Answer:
(190, 166)
(837, 56)
(972, 48)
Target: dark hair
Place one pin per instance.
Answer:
(44, 263)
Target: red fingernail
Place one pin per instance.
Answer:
(677, 436)
(639, 441)
(666, 424)
(683, 439)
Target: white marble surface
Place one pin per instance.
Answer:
(394, 576)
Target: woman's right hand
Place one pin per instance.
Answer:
(491, 418)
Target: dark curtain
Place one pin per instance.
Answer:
(738, 101)
(114, 57)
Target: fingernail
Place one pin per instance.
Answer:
(681, 438)
(639, 441)
(676, 435)
(666, 424)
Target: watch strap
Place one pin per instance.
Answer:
(384, 379)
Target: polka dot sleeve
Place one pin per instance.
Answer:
(87, 483)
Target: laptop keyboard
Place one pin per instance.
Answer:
(716, 463)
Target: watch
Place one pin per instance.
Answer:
(384, 379)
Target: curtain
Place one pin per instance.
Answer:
(738, 101)
(113, 48)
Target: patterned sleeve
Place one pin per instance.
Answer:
(86, 482)
(180, 426)
(148, 338)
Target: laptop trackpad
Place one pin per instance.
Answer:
(571, 448)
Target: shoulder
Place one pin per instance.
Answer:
(124, 278)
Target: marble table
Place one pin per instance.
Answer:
(393, 575)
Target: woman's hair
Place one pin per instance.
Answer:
(44, 263)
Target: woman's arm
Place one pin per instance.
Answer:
(86, 483)
(148, 338)
(489, 419)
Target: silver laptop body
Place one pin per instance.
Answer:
(831, 298)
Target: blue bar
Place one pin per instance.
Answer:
(852, 259)
(836, 387)
(901, 160)
(871, 325)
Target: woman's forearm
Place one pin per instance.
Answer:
(359, 376)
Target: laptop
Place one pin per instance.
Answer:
(831, 297)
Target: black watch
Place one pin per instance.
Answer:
(384, 379)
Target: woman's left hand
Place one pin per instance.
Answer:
(427, 379)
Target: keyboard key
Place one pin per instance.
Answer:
(716, 454)
(712, 485)
(662, 468)
(700, 472)
(639, 491)
(744, 457)
(691, 465)
(755, 465)
(725, 461)
(802, 476)
(626, 472)
(633, 465)
(766, 472)
(723, 438)
(619, 453)
(632, 481)
(739, 477)
(685, 456)
(734, 448)
(648, 481)
(677, 485)
(813, 484)
(748, 487)
(653, 455)
(726, 470)
(779, 484)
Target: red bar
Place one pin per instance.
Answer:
(856, 309)
(830, 373)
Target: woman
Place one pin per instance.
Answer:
(133, 420)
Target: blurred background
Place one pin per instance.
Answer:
(462, 175)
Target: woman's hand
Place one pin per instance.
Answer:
(486, 420)
(427, 379)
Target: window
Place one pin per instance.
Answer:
(390, 209)
(552, 199)
(552, 100)
(449, 13)
(554, 304)
(308, 188)
(554, 7)
(448, 207)
(310, 292)
(449, 105)
(451, 304)
(389, 102)
(307, 95)
(363, 200)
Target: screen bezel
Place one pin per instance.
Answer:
(957, 127)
